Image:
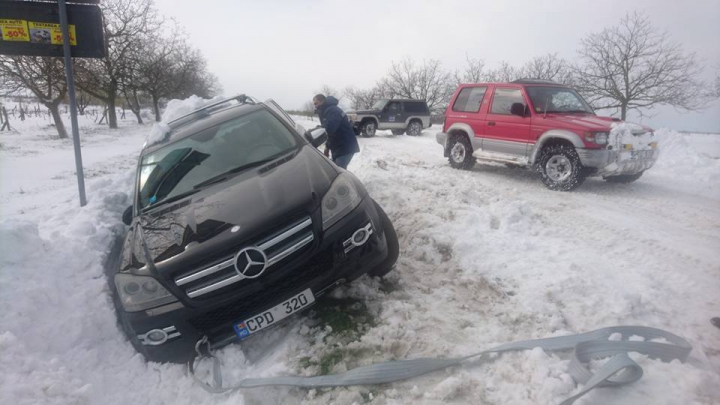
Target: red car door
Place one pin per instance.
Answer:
(506, 132)
(470, 107)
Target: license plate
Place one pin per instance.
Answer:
(274, 315)
(641, 154)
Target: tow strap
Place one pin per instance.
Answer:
(620, 369)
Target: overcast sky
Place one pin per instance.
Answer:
(287, 49)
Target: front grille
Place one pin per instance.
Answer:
(277, 247)
(295, 281)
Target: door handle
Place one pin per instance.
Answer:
(491, 123)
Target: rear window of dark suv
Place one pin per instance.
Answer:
(416, 107)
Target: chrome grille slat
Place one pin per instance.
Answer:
(274, 241)
(212, 287)
(288, 241)
(202, 273)
(292, 249)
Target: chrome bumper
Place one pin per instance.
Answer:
(612, 163)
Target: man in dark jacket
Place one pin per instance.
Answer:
(342, 141)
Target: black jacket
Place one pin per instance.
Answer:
(341, 137)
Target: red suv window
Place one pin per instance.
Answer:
(504, 99)
(469, 99)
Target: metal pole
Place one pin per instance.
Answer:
(71, 96)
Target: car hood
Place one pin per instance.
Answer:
(588, 122)
(228, 213)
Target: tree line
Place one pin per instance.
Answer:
(632, 66)
(148, 59)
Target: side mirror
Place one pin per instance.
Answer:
(518, 109)
(128, 215)
(316, 137)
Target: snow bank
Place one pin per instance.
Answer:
(691, 161)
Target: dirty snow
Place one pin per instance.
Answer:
(487, 256)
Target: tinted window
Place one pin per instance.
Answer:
(394, 107)
(415, 107)
(557, 100)
(504, 99)
(469, 99)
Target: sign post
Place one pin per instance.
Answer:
(30, 28)
(71, 96)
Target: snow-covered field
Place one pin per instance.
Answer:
(487, 256)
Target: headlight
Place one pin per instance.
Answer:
(600, 138)
(342, 198)
(353, 117)
(138, 292)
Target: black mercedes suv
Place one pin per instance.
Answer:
(238, 222)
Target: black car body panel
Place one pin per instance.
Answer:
(278, 204)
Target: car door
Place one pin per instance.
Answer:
(392, 115)
(468, 108)
(507, 133)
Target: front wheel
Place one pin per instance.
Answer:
(393, 246)
(368, 129)
(561, 168)
(624, 178)
(415, 128)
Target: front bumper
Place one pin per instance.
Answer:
(330, 262)
(614, 163)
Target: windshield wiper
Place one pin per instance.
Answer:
(226, 175)
(170, 199)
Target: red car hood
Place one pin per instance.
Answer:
(588, 122)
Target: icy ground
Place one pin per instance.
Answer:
(487, 256)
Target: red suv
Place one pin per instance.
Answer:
(543, 125)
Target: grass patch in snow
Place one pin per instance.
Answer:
(347, 317)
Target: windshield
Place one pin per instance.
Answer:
(379, 105)
(557, 100)
(179, 167)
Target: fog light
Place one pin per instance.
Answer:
(155, 337)
(358, 238)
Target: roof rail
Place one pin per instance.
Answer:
(534, 81)
(204, 111)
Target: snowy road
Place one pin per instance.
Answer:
(487, 256)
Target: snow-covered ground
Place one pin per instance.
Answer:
(487, 256)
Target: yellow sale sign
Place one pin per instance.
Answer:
(48, 33)
(14, 30)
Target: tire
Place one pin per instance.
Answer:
(461, 153)
(393, 245)
(368, 129)
(398, 131)
(560, 168)
(414, 128)
(624, 178)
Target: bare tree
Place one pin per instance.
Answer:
(547, 67)
(362, 99)
(504, 73)
(328, 91)
(474, 72)
(633, 66)
(125, 21)
(428, 82)
(44, 77)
